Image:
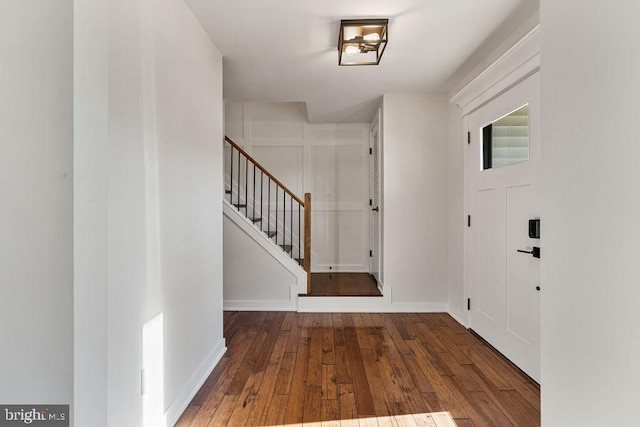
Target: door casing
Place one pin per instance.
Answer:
(374, 195)
(515, 286)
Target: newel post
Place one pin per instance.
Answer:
(307, 239)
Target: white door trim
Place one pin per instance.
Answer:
(516, 64)
(375, 234)
(502, 283)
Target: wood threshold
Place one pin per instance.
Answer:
(343, 285)
(340, 295)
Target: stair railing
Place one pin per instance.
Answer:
(264, 200)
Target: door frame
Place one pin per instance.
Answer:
(515, 65)
(518, 340)
(375, 127)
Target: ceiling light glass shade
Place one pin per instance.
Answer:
(362, 41)
(351, 50)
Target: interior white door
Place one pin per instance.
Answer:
(503, 197)
(374, 171)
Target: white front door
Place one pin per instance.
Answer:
(504, 169)
(374, 171)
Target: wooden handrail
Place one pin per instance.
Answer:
(266, 172)
(306, 204)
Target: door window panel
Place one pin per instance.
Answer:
(506, 140)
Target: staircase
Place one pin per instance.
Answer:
(272, 208)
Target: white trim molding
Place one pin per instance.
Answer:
(515, 65)
(173, 414)
(366, 304)
(251, 305)
(459, 316)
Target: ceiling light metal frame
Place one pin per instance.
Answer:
(361, 43)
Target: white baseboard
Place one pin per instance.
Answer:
(258, 306)
(261, 305)
(458, 316)
(340, 268)
(419, 307)
(343, 304)
(367, 304)
(173, 414)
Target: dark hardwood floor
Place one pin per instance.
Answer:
(343, 284)
(360, 369)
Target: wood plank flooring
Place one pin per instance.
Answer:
(343, 284)
(360, 369)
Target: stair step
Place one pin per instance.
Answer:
(270, 233)
(299, 260)
(254, 220)
(241, 205)
(286, 248)
(227, 191)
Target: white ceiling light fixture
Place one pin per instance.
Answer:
(362, 41)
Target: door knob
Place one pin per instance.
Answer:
(535, 252)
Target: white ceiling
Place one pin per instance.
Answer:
(286, 50)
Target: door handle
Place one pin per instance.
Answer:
(375, 209)
(535, 252)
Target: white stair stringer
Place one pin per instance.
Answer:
(256, 270)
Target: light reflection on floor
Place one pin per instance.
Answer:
(431, 419)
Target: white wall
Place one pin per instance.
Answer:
(590, 270)
(36, 165)
(148, 153)
(189, 129)
(257, 274)
(414, 212)
(456, 150)
(90, 215)
(330, 161)
(267, 281)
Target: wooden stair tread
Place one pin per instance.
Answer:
(240, 205)
(254, 220)
(299, 260)
(270, 233)
(286, 248)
